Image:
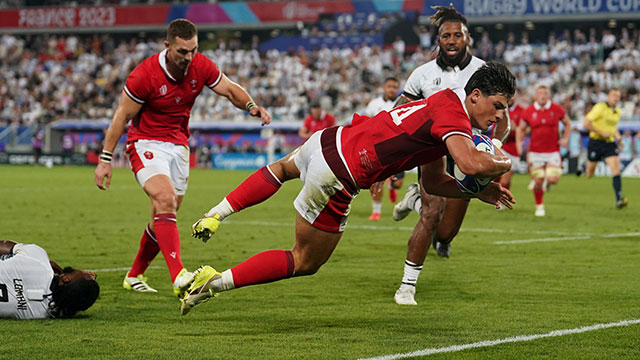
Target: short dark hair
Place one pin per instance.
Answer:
(182, 28)
(444, 14)
(315, 104)
(68, 299)
(390, 78)
(491, 79)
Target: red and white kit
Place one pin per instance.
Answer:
(164, 117)
(543, 121)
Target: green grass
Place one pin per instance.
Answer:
(483, 292)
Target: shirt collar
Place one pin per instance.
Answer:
(546, 106)
(461, 66)
(162, 59)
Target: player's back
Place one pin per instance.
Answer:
(405, 137)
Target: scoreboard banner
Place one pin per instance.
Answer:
(251, 13)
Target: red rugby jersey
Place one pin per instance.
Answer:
(543, 121)
(166, 103)
(515, 114)
(326, 120)
(403, 138)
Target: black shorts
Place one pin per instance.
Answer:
(598, 150)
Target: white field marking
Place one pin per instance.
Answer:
(593, 236)
(395, 228)
(513, 339)
(120, 269)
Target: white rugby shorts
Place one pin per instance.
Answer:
(151, 157)
(538, 160)
(323, 200)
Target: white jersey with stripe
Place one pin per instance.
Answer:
(433, 76)
(25, 281)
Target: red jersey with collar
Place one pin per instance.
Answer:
(166, 103)
(544, 122)
(515, 114)
(403, 138)
(326, 120)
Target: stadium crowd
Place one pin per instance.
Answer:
(48, 77)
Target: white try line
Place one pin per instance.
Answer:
(409, 228)
(513, 339)
(120, 269)
(568, 238)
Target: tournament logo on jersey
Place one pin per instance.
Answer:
(163, 90)
(148, 155)
(437, 81)
(178, 99)
(194, 83)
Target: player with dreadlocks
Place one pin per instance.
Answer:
(440, 218)
(34, 287)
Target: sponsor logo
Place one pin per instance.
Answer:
(163, 89)
(19, 289)
(148, 155)
(178, 99)
(437, 81)
(173, 254)
(194, 84)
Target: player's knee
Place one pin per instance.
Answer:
(307, 268)
(165, 202)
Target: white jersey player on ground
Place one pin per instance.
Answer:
(440, 218)
(33, 287)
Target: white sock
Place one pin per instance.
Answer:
(377, 207)
(224, 283)
(223, 208)
(411, 273)
(417, 205)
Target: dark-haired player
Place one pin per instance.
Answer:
(440, 218)
(336, 163)
(157, 98)
(33, 287)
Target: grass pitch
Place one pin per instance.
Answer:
(510, 274)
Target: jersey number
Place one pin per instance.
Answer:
(401, 113)
(4, 294)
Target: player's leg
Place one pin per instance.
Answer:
(553, 170)
(395, 183)
(614, 166)
(536, 162)
(593, 156)
(376, 204)
(419, 243)
(452, 217)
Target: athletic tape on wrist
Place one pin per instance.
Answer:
(250, 105)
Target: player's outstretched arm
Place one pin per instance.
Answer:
(6, 246)
(126, 110)
(241, 99)
(521, 132)
(496, 194)
(476, 163)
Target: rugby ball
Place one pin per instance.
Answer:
(473, 185)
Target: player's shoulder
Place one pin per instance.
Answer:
(557, 107)
(31, 250)
(149, 64)
(201, 59)
(476, 63)
(426, 68)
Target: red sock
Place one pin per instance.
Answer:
(148, 250)
(538, 194)
(169, 242)
(255, 189)
(265, 267)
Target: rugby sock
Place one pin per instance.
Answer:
(169, 242)
(265, 267)
(223, 209)
(538, 194)
(411, 273)
(148, 250)
(417, 205)
(255, 189)
(377, 207)
(224, 283)
(617, 187)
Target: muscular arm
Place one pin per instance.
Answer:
(473, 162)
(6, 246)
(239, 97)
(401, 101)
(126, 110)
(521, 132)
(564, 141)
(304, 132)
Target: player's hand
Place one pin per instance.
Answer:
(262, 113)
(103, 171)
(496, 194)
(563, 142)
(376, 187)
(205, 227)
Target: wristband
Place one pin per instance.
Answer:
(497, 143)
(106, 156)
(250, 105)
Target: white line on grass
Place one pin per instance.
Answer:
(120, 269)
(394, 228)
(592, 236)
(518, 338)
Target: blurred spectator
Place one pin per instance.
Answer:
(67, 147)
(36, 142)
